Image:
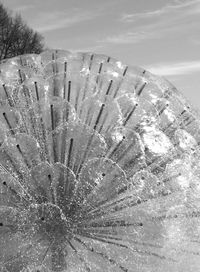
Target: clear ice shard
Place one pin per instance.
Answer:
(99, 168)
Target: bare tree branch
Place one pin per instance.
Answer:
(16, 37)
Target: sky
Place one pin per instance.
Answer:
(162, 36)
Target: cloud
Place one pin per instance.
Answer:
(127, 38)
(135, 16)
(192, 6)
(173, 20)
(174, 69)
(152, 30)
(48, 21)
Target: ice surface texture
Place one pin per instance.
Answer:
(99, 168)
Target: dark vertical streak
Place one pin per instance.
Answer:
(14, 193)
(174, 122)
(118, 87)
(20, 76)
(99, 115)
(163, 109)
(190, 121)
(100, 68)
(52, 118)
(77, 97)
(36, 90)
(51, 189)
(125, 71)
(20, 151)
(8, 98)
(8, 123)
(116, 147)
(53, 137)
(97, 78)
(103, 122)
(90, 140)
(91, 59)
(109, 87)
(130, 114)
(21, 62)
(70, 152)
(69, 91)
(44, 140)
(141, 89)
(65, 76)
(63, 146)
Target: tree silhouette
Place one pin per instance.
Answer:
(16, 37)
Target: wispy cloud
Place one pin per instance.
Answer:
(128, 38)
(174, 69)
(191, 6)
(135, 16)
(176, 18)
(48, 21)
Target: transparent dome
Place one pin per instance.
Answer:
(99, 168)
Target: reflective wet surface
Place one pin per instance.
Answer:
(99, 168)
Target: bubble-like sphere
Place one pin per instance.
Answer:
(99, 168)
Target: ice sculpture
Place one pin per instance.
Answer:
(99, 168)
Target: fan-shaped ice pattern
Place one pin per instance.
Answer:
(99, 168)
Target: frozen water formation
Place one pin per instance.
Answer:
(99, 168)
